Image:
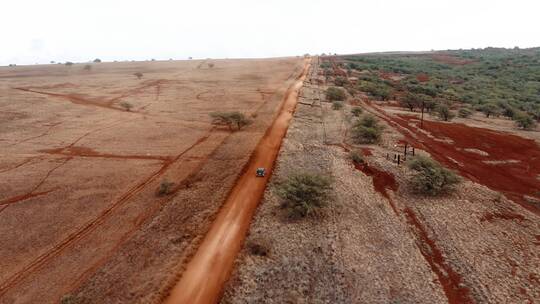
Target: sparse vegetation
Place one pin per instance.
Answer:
(333, 94)
(337, 105)
(303, 194)
(524, 121)
(444, 112)
(431, 178)
(464, 113)
(356, 111)
(165, 188)
(126, 105)
(139, 75)
(230, 119)
(357, 157)
(366, 130)
(259, 247)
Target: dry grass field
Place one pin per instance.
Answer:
(83, 152)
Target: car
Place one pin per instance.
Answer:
(261, 172)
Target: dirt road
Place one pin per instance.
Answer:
(217, 252)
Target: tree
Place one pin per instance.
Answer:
(411, 101)
(340, 81)
(97, 60)
(464, 113)
(304, 193)
(444, 112)
(431, 178)
(366, 130)
(337, 105)
(69, 63)
(126, 105)
(490, 109)
(230, 119)
(333, 94)
(524, 121)
(139, 75)
(356, 111)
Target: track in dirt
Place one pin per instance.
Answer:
(209, 269)
(508, 163)
(92, 225)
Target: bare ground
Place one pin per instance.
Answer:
(473, 246)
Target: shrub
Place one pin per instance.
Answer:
(230, 119)
(356, 111)
(210, 65)
(524, 121)
(260, 247)
(490, 109)
(366, 130)
(464, 113)
(337, 105)
(340, 81)
(69, 63)
(139, 75)
(165, 188)
(126, 105)
(357, 157)
(87, 67)
(431, 178)
(444, 113)
(333, 93)
(304, 193)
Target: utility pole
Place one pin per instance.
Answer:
(422, 117)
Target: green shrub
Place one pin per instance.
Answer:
(524, 121)
(337, 105)
(303, 193)
(340, 81)
(230, 119)
(366, 130)
(357, 157)
(333, 93)
(356, 111)
(431, 178)
(126, 105)
(444, 112)
(464, 113)
(165, 188)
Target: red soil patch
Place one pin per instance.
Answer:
(450, 280)
(422, 77)
(382, 180)
(367, 151)
(514, 179)
(503, 215)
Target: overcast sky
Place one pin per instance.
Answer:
(38, 31)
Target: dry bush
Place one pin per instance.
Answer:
(367, 130)
(356, 111)
(230, 119)
(126, 105)
(139, 75)
(431, 178)
(165, 188)
(337, 105)
(87, 67)
(303, 194)
(333, 93)
(357, 157)
(259, 246)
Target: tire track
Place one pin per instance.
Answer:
(92, 225)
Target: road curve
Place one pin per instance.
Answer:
(210, 267)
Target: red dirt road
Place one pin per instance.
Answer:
(207, 272)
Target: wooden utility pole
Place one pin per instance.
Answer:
(422, 116)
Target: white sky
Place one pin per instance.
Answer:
(38, 31)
